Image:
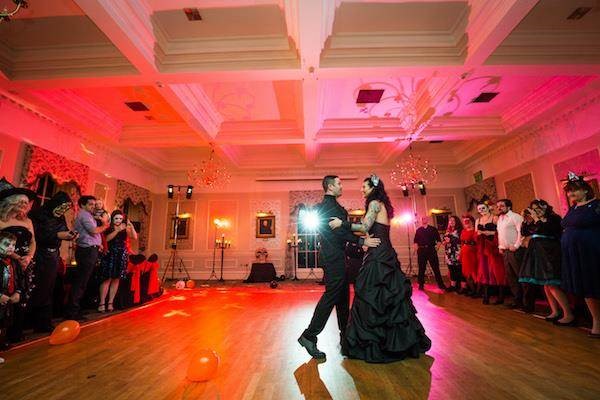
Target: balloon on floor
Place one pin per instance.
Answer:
(190, 284)
(180, 285)
(65, 332)
(203, 366)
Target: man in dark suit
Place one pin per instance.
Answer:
(427, 239)
(332, 258)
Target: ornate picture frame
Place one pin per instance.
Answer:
(265, 226)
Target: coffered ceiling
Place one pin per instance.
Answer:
(273, 84)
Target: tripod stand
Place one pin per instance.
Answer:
(409, 271)
(173, 257)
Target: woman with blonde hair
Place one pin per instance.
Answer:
(15, 203)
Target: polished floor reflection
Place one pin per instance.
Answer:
(479, 352)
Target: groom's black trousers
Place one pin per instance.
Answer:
(337, 294)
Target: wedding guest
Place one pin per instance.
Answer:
(529, 290)
(50, 230)
(509, 245)
(452, 252)
(15, 203)
(491, 265)
(427, 238)
(541, 264)
(113, 265)
(86, 253)
(468, 254)
(9, 289)
(580, 245)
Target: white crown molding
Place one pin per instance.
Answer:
(542, 99)
(165, 135)
(104, 154)
(535, 137)
(82, 110)
(133, 18)
(98, 59)
(200, 106)
(259, 132)
(230, 52)
(444, 47)
(553, 47)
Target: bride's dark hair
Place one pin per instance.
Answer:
(378, 193)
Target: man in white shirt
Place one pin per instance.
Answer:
(509, 243)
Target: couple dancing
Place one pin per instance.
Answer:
(382, 326)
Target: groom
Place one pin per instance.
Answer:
(332, 258)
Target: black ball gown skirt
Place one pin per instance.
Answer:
(383, 325)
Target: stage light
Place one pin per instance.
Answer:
(188, 192)
(309, 219)
(170, 191)
(404, 188)
(422, 189)
(406, 218)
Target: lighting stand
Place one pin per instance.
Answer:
(173, 258)
(312, 268)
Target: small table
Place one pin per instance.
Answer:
(262, 272)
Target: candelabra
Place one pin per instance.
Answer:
(222, 244)
(293, 245)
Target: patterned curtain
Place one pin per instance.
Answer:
(39, 162)
(138, 196)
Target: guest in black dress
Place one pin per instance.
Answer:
(452, 252)
(542, 261)
(15, 203)
(113, 265)
(580, 244)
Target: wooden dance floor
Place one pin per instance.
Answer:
(479, 352)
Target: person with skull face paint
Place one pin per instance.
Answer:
(50, 230)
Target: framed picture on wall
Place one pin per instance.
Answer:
(183, 228)
(265, 226)
(441, 220)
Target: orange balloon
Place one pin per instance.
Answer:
(203, 366)
(190, 284)
(65, 332)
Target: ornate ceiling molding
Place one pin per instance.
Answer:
(133, 20)
(199, 105)
(535, 137)
(77, 108)
(542, 99)
(548, 47)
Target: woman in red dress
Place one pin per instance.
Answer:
(468, 254)
(491, 264)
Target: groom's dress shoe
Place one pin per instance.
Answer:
(311, 348)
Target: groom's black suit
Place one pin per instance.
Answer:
(332, 258)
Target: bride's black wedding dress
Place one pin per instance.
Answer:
(383, 325)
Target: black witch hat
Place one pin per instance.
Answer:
(8, 189)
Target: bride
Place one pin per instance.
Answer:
(383, 326)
